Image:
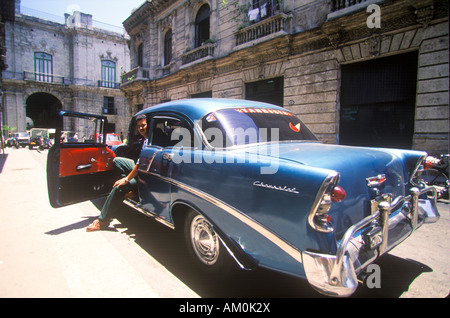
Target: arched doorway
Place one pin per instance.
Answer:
(41, 108)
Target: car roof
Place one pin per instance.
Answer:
(196, 108)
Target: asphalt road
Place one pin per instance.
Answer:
(46, 252)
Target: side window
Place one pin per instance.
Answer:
(169, 132)
(76, 129)
(135, 141)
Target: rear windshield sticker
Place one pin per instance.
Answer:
(295, 128)
(263, 111)
(210, 118)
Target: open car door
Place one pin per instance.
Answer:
(79, 164)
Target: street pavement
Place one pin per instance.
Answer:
(46, 252)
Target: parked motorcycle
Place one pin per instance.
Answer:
(13, 142)
(436, 174)
(43, 143)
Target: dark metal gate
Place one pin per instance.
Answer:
(378, 102)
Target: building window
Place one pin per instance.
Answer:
(108, 106)
(108, 74)
(140, 55)
(43, 67)
(262, 9)
(202, 26)
(207, 94)
(268, 91)
(168, 47)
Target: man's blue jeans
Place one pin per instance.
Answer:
(114, 200)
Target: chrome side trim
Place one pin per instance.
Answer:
(151, 160)
(135, 205)
(332, 178)
(274, 238)
(416, 170)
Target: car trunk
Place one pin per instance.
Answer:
(355, 165)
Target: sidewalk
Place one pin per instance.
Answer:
(46, 252)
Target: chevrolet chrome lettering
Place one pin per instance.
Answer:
(279, 188)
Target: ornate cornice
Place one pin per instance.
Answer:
(424, 15)
(147, 10)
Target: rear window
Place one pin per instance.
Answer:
(244, 126)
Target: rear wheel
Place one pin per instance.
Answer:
(204, 245)
(437, 179)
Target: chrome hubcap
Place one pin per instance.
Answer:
(204, 241)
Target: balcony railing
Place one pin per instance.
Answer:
(342, 4)
(43, 77)
(138, 73)
(275, 24)
(343, 7)
(198, 53)
(108, 84)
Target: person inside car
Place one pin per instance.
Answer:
(129, 171)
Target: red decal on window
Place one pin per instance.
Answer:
(295, 128)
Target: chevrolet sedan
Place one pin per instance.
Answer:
(249, 183)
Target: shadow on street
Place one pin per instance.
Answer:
(167, 247)
(3, 158)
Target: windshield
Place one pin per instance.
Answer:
(23, 135)
(39, 132)
(243, 126)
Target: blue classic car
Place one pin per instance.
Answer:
(248, 182)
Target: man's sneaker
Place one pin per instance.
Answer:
(97, 225)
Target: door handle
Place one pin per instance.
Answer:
(83, 167)
(167, 156)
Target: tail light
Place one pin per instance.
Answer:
(330, 192)
(338, 194)
(429, 163)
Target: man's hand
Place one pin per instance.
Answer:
(121, 182)
(133, 174)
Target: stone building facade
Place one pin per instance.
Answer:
(70, 66)
(356, 72)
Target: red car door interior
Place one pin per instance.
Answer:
(78, 161)
(82, 173)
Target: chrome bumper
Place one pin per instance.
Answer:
(388, 225)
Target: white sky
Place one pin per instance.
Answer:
(112, 12)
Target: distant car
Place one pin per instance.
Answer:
(41, 137)
(23, 138)
(12, 142)
(20, 139)
(249, 182)
(35, 136)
